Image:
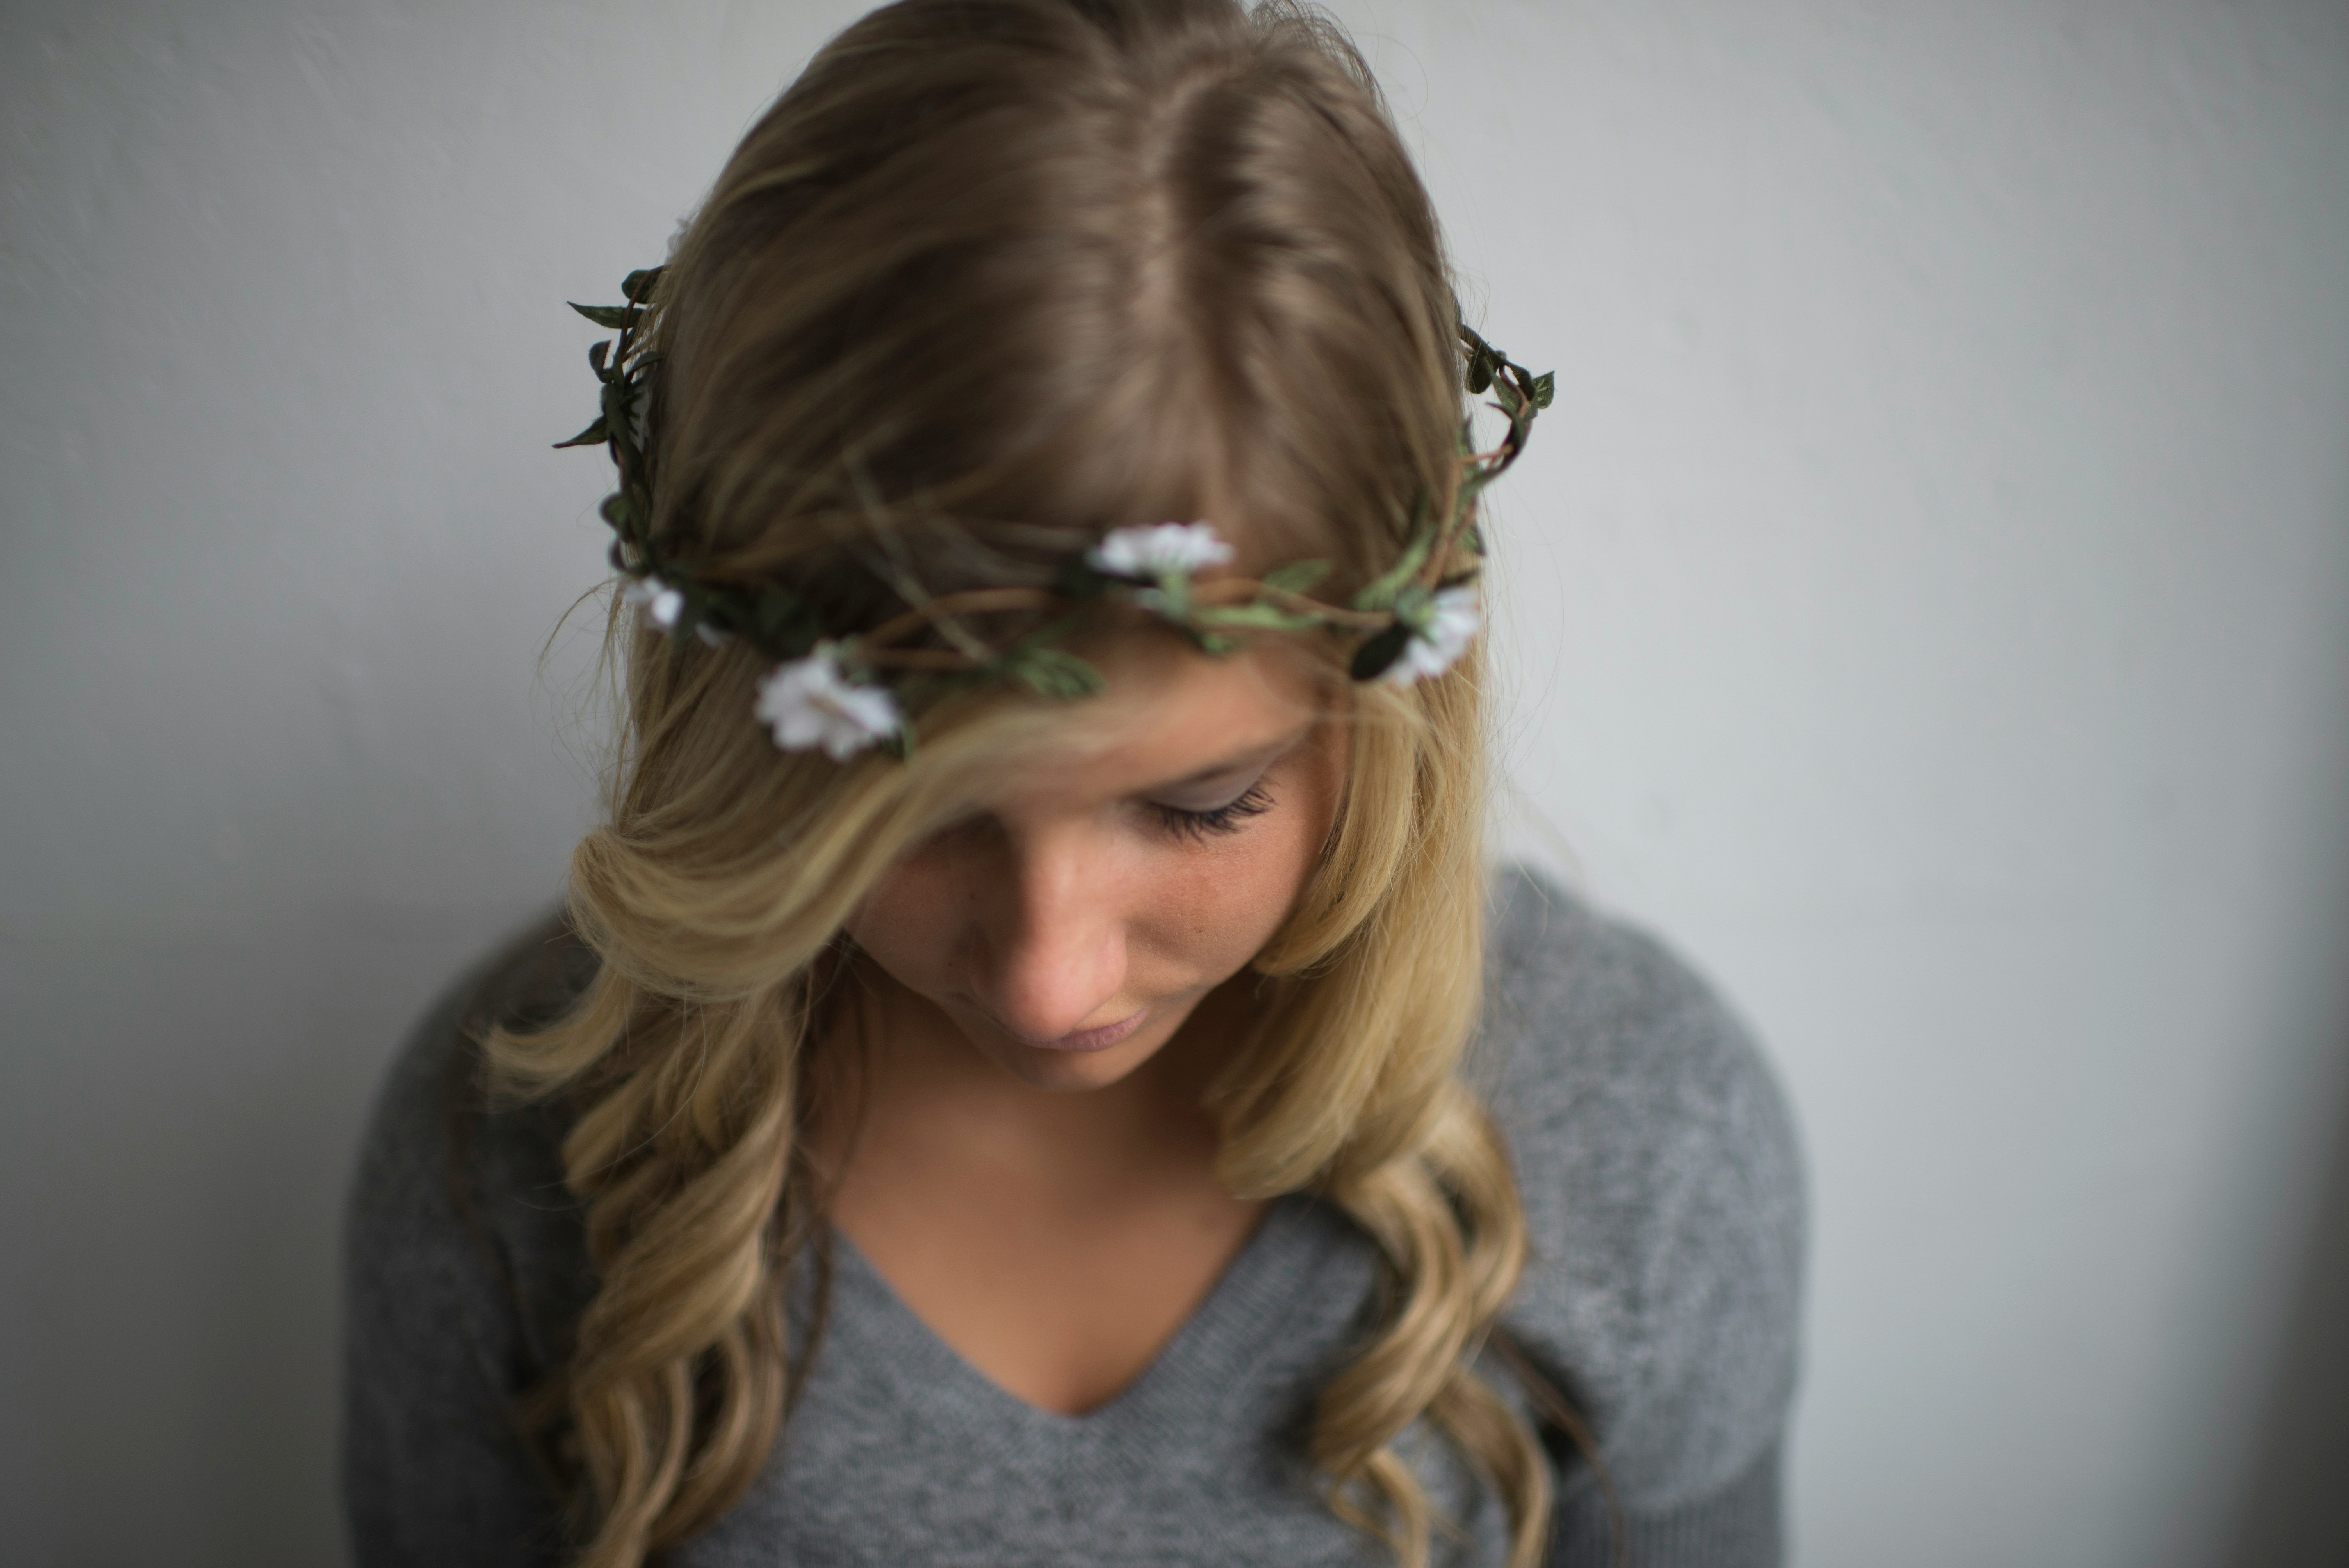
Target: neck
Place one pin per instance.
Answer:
(1056, 1240)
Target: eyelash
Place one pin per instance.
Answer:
(1196, 826)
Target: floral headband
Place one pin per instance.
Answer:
(841, 691)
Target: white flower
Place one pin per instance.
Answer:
(1158, 550)
(1451, 625)
(810, 703)
(662, 604)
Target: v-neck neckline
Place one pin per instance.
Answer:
(1183, 1384)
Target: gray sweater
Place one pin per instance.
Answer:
(1662, 1192)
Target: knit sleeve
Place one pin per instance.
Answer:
(1664, 1209)
(435, 1345)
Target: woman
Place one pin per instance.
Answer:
(1007, 1086)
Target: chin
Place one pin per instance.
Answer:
(1055, 1072)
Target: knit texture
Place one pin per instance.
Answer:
(1663, 1198)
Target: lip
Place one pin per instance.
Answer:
(1099, 1039)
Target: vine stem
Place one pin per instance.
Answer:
(1303, 605)
(1217, 592)
(974, 601)
(940, 613)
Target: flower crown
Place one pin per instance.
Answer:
(840, 691)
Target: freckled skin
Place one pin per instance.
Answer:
(1052, 1214)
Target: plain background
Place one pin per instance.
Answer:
(1928, 603)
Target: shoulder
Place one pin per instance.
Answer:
(455, 1201)
(462, 1267)
(1663, 1189)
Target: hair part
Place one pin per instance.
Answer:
(991, 276)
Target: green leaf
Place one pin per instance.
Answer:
(619, 510)
(1372, 658)
(1545, 389)
(637, 286)
(1052, 673)
(1483, 361)
(614, 316)
(594, 434)
(1380, 594)
(595, 358)
(1170, 601)
(1256, 617)
(783, 624)
(1298, 576)
(1080, 581)
(1413, 606)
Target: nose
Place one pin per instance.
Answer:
(1052, 943)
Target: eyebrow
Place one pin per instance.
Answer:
(1263, 755)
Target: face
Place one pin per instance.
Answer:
(1067, 928)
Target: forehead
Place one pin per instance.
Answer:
(1169, 714)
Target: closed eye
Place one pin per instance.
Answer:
(1253, 802)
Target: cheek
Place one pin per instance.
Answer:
(1220, 901)
(1216, 906)
(909, 920)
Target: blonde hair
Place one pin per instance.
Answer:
(990, 276)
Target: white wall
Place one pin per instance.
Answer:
(1929, 603)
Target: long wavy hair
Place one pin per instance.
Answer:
(991, 276)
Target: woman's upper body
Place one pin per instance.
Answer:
(1663, 1199)
(1074, 917)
